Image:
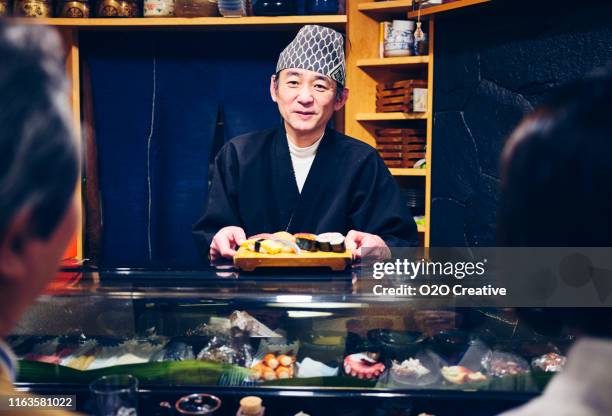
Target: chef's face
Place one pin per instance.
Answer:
(306, 100)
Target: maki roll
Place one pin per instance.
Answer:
(323, 241)
(306, 241)
(337, 243)
(331, 242)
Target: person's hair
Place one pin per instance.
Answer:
(339, 87)
(556, 174)
(38, 152)
(557, 168)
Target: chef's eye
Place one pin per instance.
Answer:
(320, 87)
(292, 83)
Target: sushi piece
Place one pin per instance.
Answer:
(268, 246)
(362, 366)
(258, 248)
(269, 374)
(81, 363)
(324, 243)
(551, 362)
(261, 236)
(271, 361)
(460, 375)
(283, 372)
(284, 235)
(51, 352)
(285, 360)
(272, 245)
(130, 358)
(331, 242)
(105, 357)
(258, 370)
(337, 243)
(306, 241)
(288, 246)
(411, 367)
(249, 244)
(263, 245)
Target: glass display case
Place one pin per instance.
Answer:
(300, 341)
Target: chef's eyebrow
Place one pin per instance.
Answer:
(294, 73)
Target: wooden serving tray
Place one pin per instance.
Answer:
(249, 260)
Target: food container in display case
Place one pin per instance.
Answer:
(158, 8)
(32, 8)
(196, 8)
(4, 8)
(307, 344)
(73, 8)
(118, 8)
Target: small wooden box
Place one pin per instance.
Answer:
(400, 148)
(398, 96)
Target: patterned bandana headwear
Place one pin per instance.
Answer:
(318, 49)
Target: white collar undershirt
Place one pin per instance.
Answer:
(301, 159)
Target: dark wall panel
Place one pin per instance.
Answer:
(493, 65)
(156, 100)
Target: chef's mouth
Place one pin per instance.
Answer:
(304, 113)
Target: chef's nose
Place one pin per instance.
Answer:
(305, 95)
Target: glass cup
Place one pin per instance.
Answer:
(116, 395)
(197, 404)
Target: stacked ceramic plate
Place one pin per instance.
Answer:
(232, 8)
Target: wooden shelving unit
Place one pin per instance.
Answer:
(366, 69)
(243, 23)
(385, 8)
(458, 4)
(393, 63)
(408, 172)
(390, 116)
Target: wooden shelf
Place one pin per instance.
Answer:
(270, 22)
(426, 11)
(408, 172)
(390, 116)
(381, 9)
(393, 63)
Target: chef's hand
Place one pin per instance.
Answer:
(224, 241)
(355, 240)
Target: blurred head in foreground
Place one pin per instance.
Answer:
(556, 187)
(557, 169)
(38, 166)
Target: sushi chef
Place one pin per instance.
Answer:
(302, 176)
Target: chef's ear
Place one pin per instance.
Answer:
(273, 87)
(341, 100)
